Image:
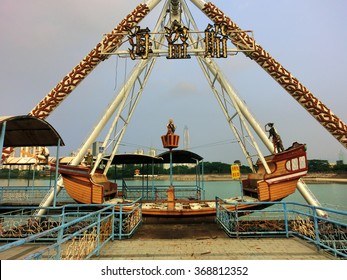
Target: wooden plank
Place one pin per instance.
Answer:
(263, 191)
(97, 194)
(283, 189)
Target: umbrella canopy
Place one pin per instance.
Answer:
(180, 156)
(135, 159)
(28, 131)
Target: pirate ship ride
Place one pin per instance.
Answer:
(286, 168)
(176, 36)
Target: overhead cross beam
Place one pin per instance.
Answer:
(239, 38)
(110, 43)
(333, 124)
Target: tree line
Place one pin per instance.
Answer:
(128, 171)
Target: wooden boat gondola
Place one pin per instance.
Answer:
(85, 188)
(286, 169)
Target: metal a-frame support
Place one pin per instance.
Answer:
(225, 95)
(125, 102)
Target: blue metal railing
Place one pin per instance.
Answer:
(28, 195)
(286, 219)
(159, 192)
(76, 231)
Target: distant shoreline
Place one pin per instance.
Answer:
(321, 178)
(312, 178)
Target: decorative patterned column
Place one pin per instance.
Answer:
(101, 52)
(109, 44)
(299, 92)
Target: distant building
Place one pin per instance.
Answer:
(97, 148)
(152, 152)
(332, 164)
(139, 152)
(341, 158)
(186, 138)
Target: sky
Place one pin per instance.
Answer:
(41, 41)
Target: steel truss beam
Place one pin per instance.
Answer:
(228, 102)
(125, 103)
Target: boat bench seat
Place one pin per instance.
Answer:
(253, 180)
(101, 179)
(256, 176)
(114, 191)
(250, 189)
(251, 183)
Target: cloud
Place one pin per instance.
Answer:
(43, 40)
(184, 88)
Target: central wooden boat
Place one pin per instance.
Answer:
(286, 169)
(85, 188)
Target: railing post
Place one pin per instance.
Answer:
(60, 237)
(285, 212)
(98, 234)
(237, 220)
(63, 215)
(113, 220)
(32, 184)
(314, 208)
(120, 222)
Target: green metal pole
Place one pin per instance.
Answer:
(170, 167)
(56, 175)
(152, 196)
(202, 180)
(2, 136)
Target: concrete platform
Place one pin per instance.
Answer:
(21, 252)
(205, 241)
(161, 239)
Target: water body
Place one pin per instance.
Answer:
(329, 195)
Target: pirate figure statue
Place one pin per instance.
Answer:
(170, 127)
(276, 139)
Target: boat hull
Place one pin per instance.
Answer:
(286, 169)
(85, 188)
